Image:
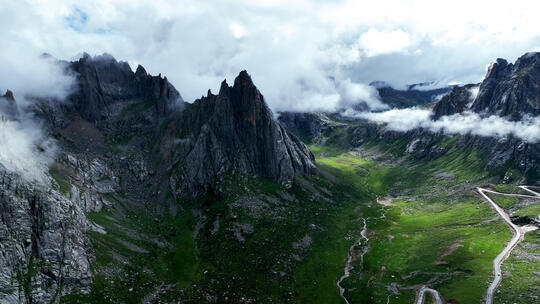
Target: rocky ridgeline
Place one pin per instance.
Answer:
(508, 90)
(103, 82)
(130, 133)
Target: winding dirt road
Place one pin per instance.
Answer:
(518, 233)
(516, 230)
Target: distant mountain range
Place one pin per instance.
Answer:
(414, 95)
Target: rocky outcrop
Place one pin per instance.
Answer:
(508, 90)
(104, 82)
(457, 101)
(233, 132)
(307, 126)
(8, 106)
(511, 90)
(44, 251)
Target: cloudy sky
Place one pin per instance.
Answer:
(303, 55)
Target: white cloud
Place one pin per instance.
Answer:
(375, 42)
(353, 93)
(26, 150)
(237, 30)
(281, 43)
(403, 120)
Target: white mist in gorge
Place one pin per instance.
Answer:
(26, 149)
(402, 120)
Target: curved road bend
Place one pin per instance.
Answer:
(421, 296)
(518, 236)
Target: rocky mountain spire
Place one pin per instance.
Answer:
(8, 106)
(235, 131)
(9, 95)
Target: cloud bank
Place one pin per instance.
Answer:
(301, 54)
(403, 120)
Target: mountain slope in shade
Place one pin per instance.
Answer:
(103, 82)
(457, 101)
(414, 95)
(234, 131)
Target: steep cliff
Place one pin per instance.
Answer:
(233, 131)
(128, 135)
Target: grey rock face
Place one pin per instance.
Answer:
(44, 252)
(511, 90)
(103, 81)
(8, 106)
(457, 101)
(308, 125)
(508, 90)
(234, 131)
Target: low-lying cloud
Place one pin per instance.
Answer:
(402, 120)
(25, 150)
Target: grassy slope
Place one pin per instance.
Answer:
(416, 231)
(266, 267)
(436, 210)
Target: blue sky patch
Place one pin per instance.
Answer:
(77, 20)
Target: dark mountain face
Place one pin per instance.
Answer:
(104, 82)
(8, 107)
(457, 101)
(508, 90)
(410, 97)
(185, 148)
(233, 131)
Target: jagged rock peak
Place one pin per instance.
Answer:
(105, 59)
(9, 95)
(457, 101)
(104, 81)
(8, 106)
(140, 71)
(511, 90)
(243, 79)
(235, 131)
(498, 68)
